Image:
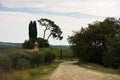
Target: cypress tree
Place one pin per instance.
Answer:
(32, 30)
(35, 30)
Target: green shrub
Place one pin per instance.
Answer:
(28, 44)
(49, 57)
(5, 63)
(23, 64)
(42, 43)
(110, 60)
(37, 59)
(15, 56)
(66, 54)
(25, 59)
(112, 57)
(42, 57)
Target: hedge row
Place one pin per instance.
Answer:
(25, 60)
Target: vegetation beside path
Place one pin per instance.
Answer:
(99, 68)
(40, 73)
(22, 64)
(43, 71)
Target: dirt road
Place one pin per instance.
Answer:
(68, 71)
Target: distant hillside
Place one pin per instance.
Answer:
(4, 45)
(10, 45)
(61, 46)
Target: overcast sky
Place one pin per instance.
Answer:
(70, 15)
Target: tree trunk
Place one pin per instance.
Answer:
(44, 33)
(49, 36)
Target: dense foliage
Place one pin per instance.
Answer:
(29, 44)
(24, 59)
(32, 30)
(42, 43)
(55, 30)
(98, 43)
(65, 54)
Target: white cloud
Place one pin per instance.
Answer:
(23, 3)
(10, 18)
(14, 25)
(91, 7)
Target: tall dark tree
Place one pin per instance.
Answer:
(54, 29)
(35, 30)
(32, 30)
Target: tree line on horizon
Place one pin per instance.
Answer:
(98, 43)
(55, 32)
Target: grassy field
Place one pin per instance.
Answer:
(99, 68)
(57, 51)
(10, 50)
(40, 73)
(67, 54)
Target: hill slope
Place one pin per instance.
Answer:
(4, 45)
(10, 45)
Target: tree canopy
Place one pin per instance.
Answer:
(55, 30)
(97, 42)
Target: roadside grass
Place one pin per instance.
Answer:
(40, 73)
(15, 75)
(67, 54)
(43, 71)
(99, 68)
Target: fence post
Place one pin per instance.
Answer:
(61, 56)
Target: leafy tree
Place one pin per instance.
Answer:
(42, 43)
(29, 44)
(112, 57)
(32, 30)
(91, 44)
(55, 32)
(54, 29)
